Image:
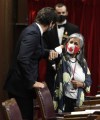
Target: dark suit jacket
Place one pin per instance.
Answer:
(51, 41)
(23, 72)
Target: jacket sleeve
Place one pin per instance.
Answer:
(29, 42)
(88, 81)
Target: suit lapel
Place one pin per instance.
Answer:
(66, 28)
(56, 39)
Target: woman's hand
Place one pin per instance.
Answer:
(77, 84)
(38, 85)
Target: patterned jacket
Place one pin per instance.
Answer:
(62, 77)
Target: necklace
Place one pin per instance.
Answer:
(72, 61)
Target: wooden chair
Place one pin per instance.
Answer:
(36, 110)
(47, 108)
(46, 103)
(11, 110)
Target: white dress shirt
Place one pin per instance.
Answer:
(40, 29)
(61, 31)
(78, 75)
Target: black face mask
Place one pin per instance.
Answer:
(61, 18)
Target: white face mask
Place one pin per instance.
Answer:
(72, 49)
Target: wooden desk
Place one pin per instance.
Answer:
(92, 97)
(76, 118)
(81, 117)
(91, 102)
(84, 107)
(98, 92)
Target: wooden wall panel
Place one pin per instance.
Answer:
(22, 11)
(6, 42)
(11, 12)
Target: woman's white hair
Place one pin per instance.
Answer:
(78, 35)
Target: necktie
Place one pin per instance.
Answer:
(63, 25)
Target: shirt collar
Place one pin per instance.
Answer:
(40, 29)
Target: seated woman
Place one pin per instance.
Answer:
(72, 79)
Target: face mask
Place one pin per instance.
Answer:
(72, 49)
(61, 18)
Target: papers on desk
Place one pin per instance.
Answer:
(85, 112)
(97, 105)
(98, 95)
(78, 113)
(92, 111)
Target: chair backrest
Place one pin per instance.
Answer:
(46, 103)
(11, 110)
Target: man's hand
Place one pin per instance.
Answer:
(38, 85)
(53, 54)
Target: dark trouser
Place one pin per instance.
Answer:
(69, 104)
(50, 79)
(26, 106)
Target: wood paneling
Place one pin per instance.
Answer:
(6, 35)
(6, 42)
(11, 12)
(22, 11)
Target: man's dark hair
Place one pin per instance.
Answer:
(46, 15)
(60, 5)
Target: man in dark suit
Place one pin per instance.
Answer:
(23, 74)
(54, 38)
